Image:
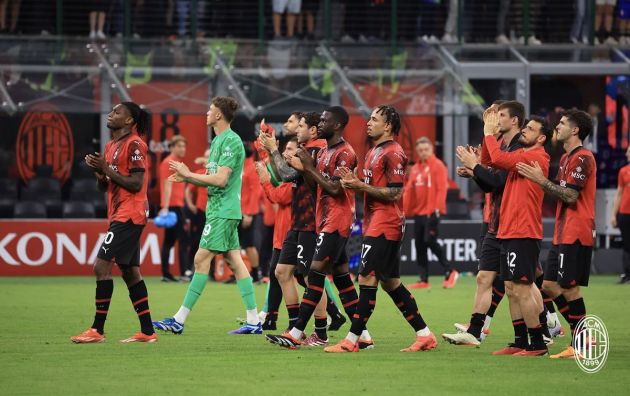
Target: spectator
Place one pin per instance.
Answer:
(309, 10)
(183, 9)
(502, 38)
(15, 13)
(604, 10)
(451, 34)
(292, 8)
(97, 18)
(172, 200)
(582, 21)
(429, 16)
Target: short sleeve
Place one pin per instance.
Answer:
(581, 168)
(621, 178)
(137, 156)
(395, 167)
(230, 153)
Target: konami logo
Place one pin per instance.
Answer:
(66, 247)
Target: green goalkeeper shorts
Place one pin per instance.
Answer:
(220, 235)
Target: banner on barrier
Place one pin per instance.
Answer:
(65, 247)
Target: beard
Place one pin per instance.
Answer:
(525, 143)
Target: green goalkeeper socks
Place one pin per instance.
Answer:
(195, 289)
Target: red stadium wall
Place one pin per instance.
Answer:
(65, 247)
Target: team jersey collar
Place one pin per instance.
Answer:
(382, 144)
(123, 137)
(575, 150)
(313, 143)
(340, 142)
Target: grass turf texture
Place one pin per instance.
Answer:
(40, 314)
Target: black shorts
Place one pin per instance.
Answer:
(122, 244)
(246, 235)
(519, 259)
(275, 256)
(331, 247)
(490, 258)
(380, 257)
(569, 265)
(298, 249)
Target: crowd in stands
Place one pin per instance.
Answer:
(363, 21)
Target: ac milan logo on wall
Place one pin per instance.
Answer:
(45, 139)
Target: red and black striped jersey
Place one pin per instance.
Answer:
(127, 155)
(576, 221)
(335, 213)
(304, 195)
(385, 166)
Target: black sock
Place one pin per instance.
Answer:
(140, 300)
(104, 291)
(539, 281)
(536, 336)
(408, 307)
(577, 310)
(293, 311)
(272, 317)
(275, 295)
(331, 308)
(320, 327)
(548, 302)
(520, 333)
(542, 318)
(311, 298)
(563, 306)
(347, 293)
(498, 291)
(477, 321)
(365, 307)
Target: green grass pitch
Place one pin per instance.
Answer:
(40, 314)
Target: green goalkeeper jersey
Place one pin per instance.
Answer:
(226, 150)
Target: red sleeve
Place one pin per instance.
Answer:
(581, 169)
(250, 193)
(441, 186)
(485, 155)
(137, 156)
(395, 165)
(508, 160)
(281, 195)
